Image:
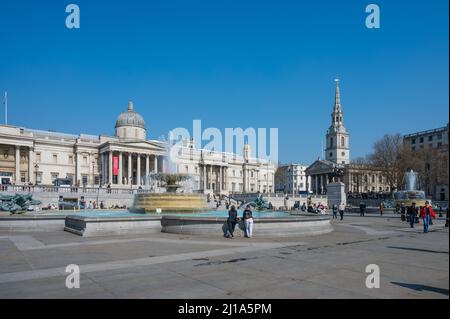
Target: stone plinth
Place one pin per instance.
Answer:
(336, 194)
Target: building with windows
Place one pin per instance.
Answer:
(291, 179)
(432, 147)
(125, 160)
(358, 178)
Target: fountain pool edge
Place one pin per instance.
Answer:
(263, 227)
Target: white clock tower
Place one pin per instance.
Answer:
(337, 147)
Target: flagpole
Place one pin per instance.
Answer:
(6, 108)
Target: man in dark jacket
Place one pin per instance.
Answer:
(412, 213)
(362, 208)
(231, 221)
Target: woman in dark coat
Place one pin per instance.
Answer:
(231, 221)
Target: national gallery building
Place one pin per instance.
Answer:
(125, 160)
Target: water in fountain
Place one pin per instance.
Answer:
(410, 179)
(178, 195)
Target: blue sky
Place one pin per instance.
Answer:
(229, 63)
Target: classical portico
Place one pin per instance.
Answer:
(123, 165)
(322, 173)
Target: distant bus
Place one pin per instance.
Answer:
(63, 182)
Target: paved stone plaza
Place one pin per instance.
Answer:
(412, 264)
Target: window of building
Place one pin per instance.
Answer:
(251, 173)
(23, 177)
(97, 180)
(54, 176)
(421, 140)
(413, 148)
(233, 187)
(331, 142)
(55, 158)
(331, 154)
(70, 159)
(38, 156)
(342, 141)
(84, 179)
(38, 177)
(85, 160)
(439, 144)
(187, 169)
(439, 136)
(430, 138)
(413, 141)
(373, 178)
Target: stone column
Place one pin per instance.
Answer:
(210, 178)
(155, 164)
(120, 175)
(17, 177)
(78, 169)
(110, 169)
(204, 177)
(163, 164)
(316, 182)
(30, 165)
(138, 175)
(147, 168)
(130, 170)
(220, 179)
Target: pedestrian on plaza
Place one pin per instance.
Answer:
(248, 222)
(446, 217)
(362, 209)
(335, 211)
(402, 212)
(413, 211)
(341, 210)
(231, 221)
(427, 214)
(303, 207)
(381, 208)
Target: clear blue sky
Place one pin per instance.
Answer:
(229, 63)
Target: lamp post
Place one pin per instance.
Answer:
(36, 167)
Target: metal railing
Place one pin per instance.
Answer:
(77, 190)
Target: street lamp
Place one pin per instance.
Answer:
(36, 167)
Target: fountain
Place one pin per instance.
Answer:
(410, 192)
(171, 200)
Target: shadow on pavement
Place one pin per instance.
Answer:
(419, 249)
(418, 287)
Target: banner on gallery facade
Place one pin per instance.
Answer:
(115, 165)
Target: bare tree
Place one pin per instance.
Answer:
(386, 155)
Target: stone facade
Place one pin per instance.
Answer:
(291, 179)
(125, 160)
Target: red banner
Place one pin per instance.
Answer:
(115, 165)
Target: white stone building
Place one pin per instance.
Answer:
(292, 179)
(125, 160)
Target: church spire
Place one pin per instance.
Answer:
(337, 97)
(337, 117)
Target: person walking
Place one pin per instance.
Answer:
(341, 210)
(335, 211)
(231, 221)
(362, 209)
(412, 213)
(427, 213)
(381, 208)
(248, 222)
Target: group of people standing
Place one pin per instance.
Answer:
(426, 213)
(233, 219)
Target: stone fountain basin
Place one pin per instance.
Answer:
(262, 227)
